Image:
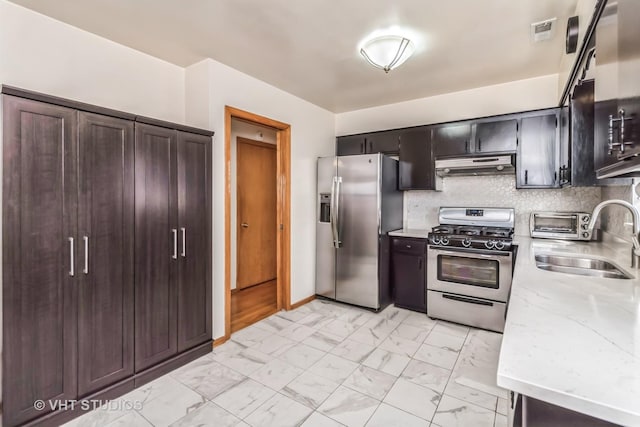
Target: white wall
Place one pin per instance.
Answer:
(242, 129)
(520, 95)
(45, 55)
(312, 135)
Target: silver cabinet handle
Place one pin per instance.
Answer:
(175, 243)
(72, 271)
(86, 255)
(184, 242)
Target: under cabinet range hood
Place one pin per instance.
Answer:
(485, 165)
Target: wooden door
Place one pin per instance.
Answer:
(105, 239)
(257, 220)
(156, 245)
(39, 283)
(194, 218)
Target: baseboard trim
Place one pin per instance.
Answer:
(302, 302)
(219, 341)
(171, 364)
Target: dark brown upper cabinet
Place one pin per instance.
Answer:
(617, 90)
(105, 247)
(40, 246)
(385, 142)
(496, 136)
(451, 140)
(537, 160)
(416, 168)
(350, 145)
(382, 142)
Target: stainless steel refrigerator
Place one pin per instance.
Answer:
(358, 202)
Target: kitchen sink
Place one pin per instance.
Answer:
(581, 266)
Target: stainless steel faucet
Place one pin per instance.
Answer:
(635, 252)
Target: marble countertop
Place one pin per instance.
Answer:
(574, 341)
(410, 232)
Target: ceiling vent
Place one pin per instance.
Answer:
(543, 30)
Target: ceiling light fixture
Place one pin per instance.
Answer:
(387, 52)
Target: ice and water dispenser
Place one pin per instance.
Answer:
(325, 207)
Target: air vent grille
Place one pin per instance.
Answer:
(543, 30)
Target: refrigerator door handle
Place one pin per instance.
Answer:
(332, 213)
(337, 242)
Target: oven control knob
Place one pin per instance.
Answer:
(466, 242)
(585, 235)
(585, 218)
(444, 241)
(489, 244)
(585, 226)
(435, 240)
(499, 245)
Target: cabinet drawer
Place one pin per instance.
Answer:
(409, 246)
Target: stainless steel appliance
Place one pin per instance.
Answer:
(560, 225)
(470, 265)
(358, 203)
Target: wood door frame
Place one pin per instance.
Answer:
(283, 206)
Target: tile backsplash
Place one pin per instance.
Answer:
(421, 207)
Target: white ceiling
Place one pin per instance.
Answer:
(310, 47)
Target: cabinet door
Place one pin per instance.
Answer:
(156, 245)
(409, 277)
(382, 142)
(416, 168)
(497, 137)
(349, 145)
(105, 240)
(39, 284)
(194, 218)
(452, 140)
(537, 158)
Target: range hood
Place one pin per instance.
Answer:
(485, 165)
(625, 168)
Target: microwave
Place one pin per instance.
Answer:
(560, 225)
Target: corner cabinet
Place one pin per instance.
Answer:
(106, 252)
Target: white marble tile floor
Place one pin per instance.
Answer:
(329, 364)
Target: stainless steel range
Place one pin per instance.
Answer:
(470, 264)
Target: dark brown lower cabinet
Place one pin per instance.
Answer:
(173, 241)
(39, 293)
(106, 253)
(156, 252)
(409, 273)
(105, 245)
(194, 220)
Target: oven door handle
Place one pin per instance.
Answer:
(471, 253)
(468, 300)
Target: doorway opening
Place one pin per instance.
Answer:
(257, 206)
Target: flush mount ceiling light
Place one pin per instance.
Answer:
(387, 52)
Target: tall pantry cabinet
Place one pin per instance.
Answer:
(106, 252)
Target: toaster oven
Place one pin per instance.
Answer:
(560, 225)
